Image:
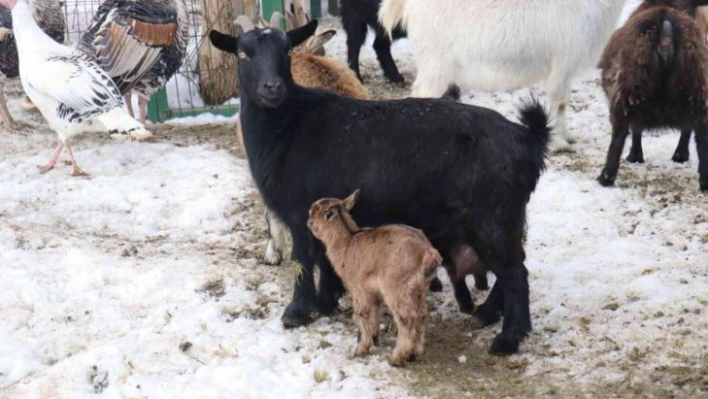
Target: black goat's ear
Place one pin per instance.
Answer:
(223, 42)
(299, 35)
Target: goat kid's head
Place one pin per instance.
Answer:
(264, 60)
(327, 211)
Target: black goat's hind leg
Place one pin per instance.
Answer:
(490, 311)
(636, 154)
(609, 172)
(702, 150)
(517, 318)
(298, 311)
(682, 153)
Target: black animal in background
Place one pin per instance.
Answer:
(357, 16)
(414, 160)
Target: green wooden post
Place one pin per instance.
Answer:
(315, 8)
(270, 6)
(157, 106)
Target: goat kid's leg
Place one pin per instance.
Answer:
(382, 46)
(636, 154)
(681, 154)
(614, 153)
(362, 307)
(53, 160)
(298, 310)
(276, 239)
(558, 94)
(331, 287)
(702, 150)
(356, 35)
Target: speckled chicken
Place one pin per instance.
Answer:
(140, 43)
(50, 18)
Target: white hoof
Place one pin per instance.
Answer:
(272, 255)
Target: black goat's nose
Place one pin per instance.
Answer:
(273, 84)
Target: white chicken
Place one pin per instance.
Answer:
(72, 92)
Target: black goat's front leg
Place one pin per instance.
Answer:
(382, 46)
(298, 311)
(356, 35)
(681, 153)
(609, 172)
(463, 296)
(331, 287)
(517, 317)
(702, 150)
(636, 154)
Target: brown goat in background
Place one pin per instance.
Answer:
(393, 264)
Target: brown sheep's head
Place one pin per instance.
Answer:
(327, 212)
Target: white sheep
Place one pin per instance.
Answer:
(504, 44)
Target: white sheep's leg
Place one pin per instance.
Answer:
(431, 84)
(128, 98)
(143, 104)
(53, 160)
(558, 94)
(276, 239)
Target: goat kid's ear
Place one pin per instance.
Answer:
(350, 201)
(299, 35)
(223, 42)
(319, 41)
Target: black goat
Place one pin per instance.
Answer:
(357, 16)
(460, 173)
(654, 75)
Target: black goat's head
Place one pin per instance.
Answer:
(264, 60)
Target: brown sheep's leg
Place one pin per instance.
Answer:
(609, 172)
(636, 154)
(702, 150)
(681, 153)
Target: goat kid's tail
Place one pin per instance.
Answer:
(431, 261)
(534, 116)
(392, 14)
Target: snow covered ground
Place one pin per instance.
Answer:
(143, 280)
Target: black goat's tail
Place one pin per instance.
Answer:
(534, 116)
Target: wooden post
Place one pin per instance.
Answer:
(218, 78)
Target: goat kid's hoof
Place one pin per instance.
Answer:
(295, 316)
(605, 180)
(436, 285)
(396, 361)
(504, 344)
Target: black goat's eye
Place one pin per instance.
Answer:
(242, 55)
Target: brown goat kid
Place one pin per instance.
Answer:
(393, 264)
(655, 75)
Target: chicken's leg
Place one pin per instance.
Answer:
(76, 171)
(53, 160)
(4, 112)
(143, 102)
(128, 98)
